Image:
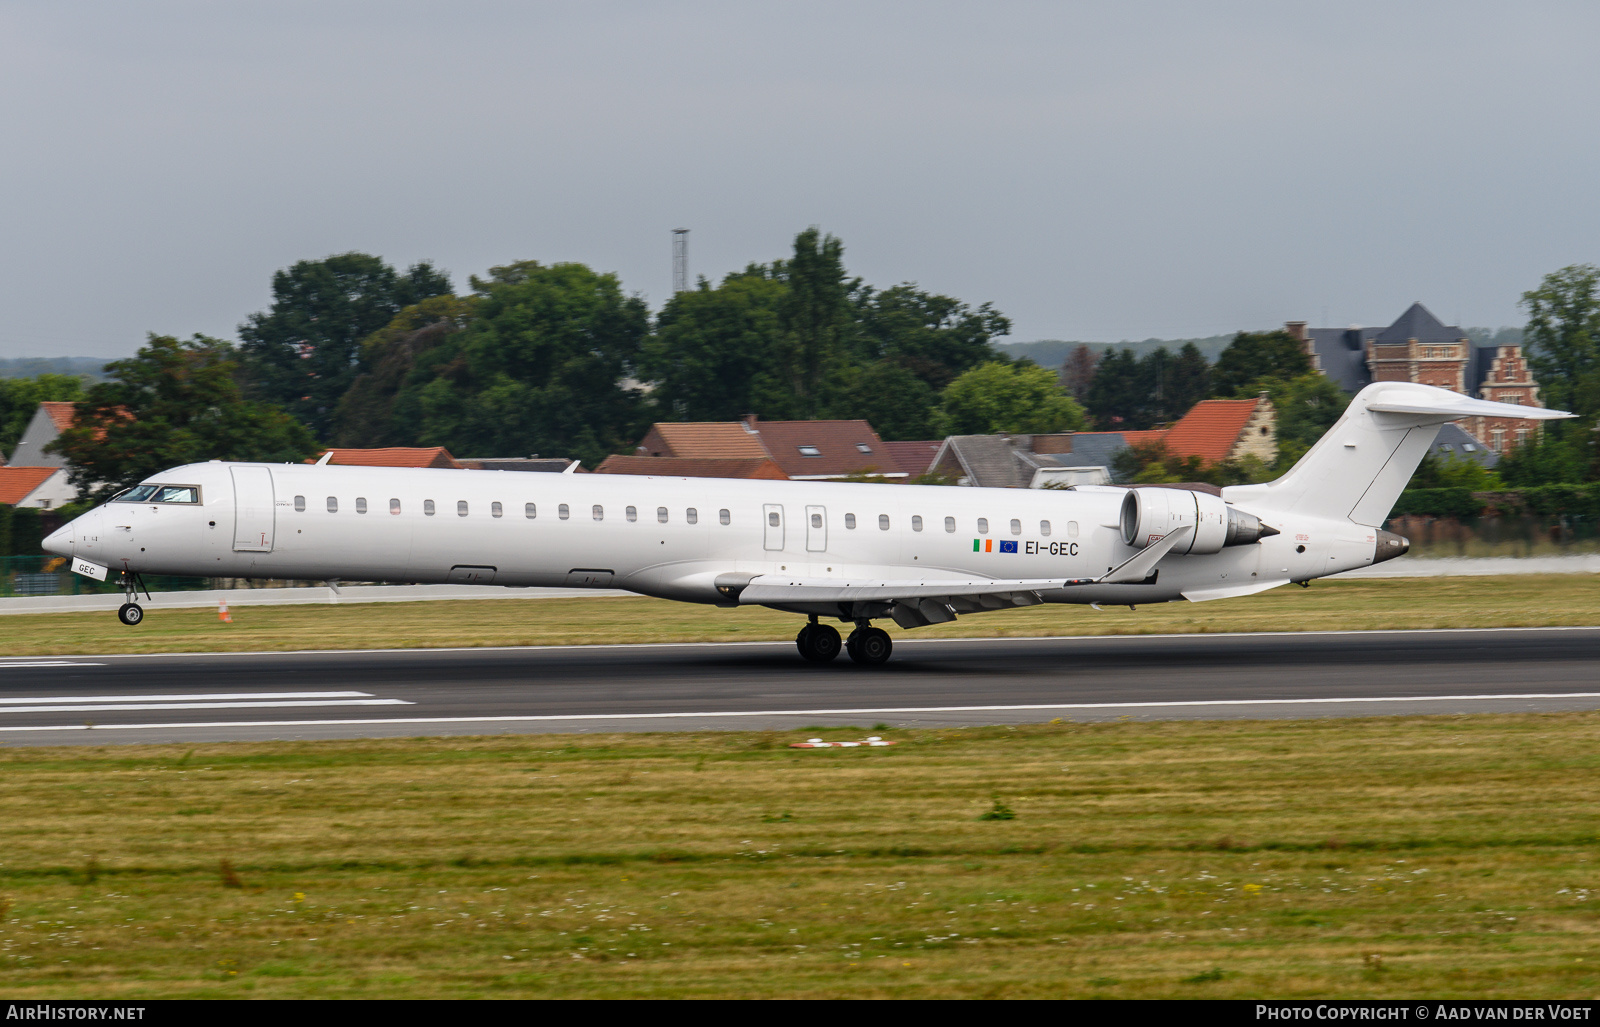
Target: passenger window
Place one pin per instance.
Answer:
(916, 523)
(1044, 527)
(530, 510)
(883, 522)
(427, 508)
(1072, 529)
(722, 515)
(816, 520)
(562, 511)
(1016, 526)
(496, 510)
(299, 504)
(772, 519)
(394, 506)
(950, 525)
(599, 512)
(461, 508)
(850, 521)
(692, 515)
(661, 514)
(983, 525)
(361, 504)
(632, 514)
(333, 504)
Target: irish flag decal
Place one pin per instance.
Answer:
(986, 545)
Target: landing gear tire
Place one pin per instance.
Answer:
(818, 643)
(130, 614)
(870, 647)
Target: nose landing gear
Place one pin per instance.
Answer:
(130, 612)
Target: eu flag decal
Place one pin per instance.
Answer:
(1008, 547)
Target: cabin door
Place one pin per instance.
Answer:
(816, 529)
(252, 509)
(772, 518)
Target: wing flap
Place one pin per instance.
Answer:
(771, 588)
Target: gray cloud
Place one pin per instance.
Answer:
(1098, 171)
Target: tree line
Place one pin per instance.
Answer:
(559, 359)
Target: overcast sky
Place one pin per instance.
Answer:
(1097, 171)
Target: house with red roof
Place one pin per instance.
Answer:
(1215, 430)
(43, 488)
(761, 468)
(803, 450)
(47, 424)
(391, 456)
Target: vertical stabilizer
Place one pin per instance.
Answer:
(1358, 469)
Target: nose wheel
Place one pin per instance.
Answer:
(818, 643)
(130, 612)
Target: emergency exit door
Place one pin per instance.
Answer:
(252, 509)
(772, 525)
(816, 529)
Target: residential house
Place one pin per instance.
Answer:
(756, 467)
(391, 456)
(47, 424)
(43, 488)
(803, 450)
(1418, 347)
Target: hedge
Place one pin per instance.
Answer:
(21, 531)
(1545, 500)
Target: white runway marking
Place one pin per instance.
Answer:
(545, 718)
(189, 697)
(48, 663)
(193, 701)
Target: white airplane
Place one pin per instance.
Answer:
(917, 555)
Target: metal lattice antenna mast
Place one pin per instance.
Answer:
(680, 260)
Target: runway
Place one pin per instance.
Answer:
(101, 700)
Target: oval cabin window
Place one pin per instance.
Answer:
(530, 510)
(496, 510)
(599, 512)
(723, 517)
(1016, 526)
(333, 504)
(883, 522)
(427, 508)
(816, 520)
(916, 524)
(361, 504)
(563, 511)
(950, 525)
(632, 513)
(299, 504)
(692, 515)
(661, 515)
(849, 521)
(1044, 527)
(983, 525)
(461, 508)
(394, 506)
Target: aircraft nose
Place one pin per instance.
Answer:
(59, 542)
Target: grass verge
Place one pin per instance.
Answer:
(1446, 856)
(1508, 601)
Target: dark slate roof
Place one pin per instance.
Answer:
(1419, 323)
(988, 461)
(1453, 441)
(1342, 352)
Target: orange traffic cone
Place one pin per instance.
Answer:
(222, 612)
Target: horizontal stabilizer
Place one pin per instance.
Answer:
(1449, 406)
(771, 588)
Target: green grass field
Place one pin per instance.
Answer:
(1510, 601)
(1438, 856)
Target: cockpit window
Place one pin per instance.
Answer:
(160, 494)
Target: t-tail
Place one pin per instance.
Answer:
(1357, 470)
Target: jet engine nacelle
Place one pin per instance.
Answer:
(1150, 514)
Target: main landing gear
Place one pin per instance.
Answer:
(867, 645)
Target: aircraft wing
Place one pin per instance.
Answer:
(772, 588)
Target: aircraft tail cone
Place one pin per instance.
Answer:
(1390, 546)
(1267, 531)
